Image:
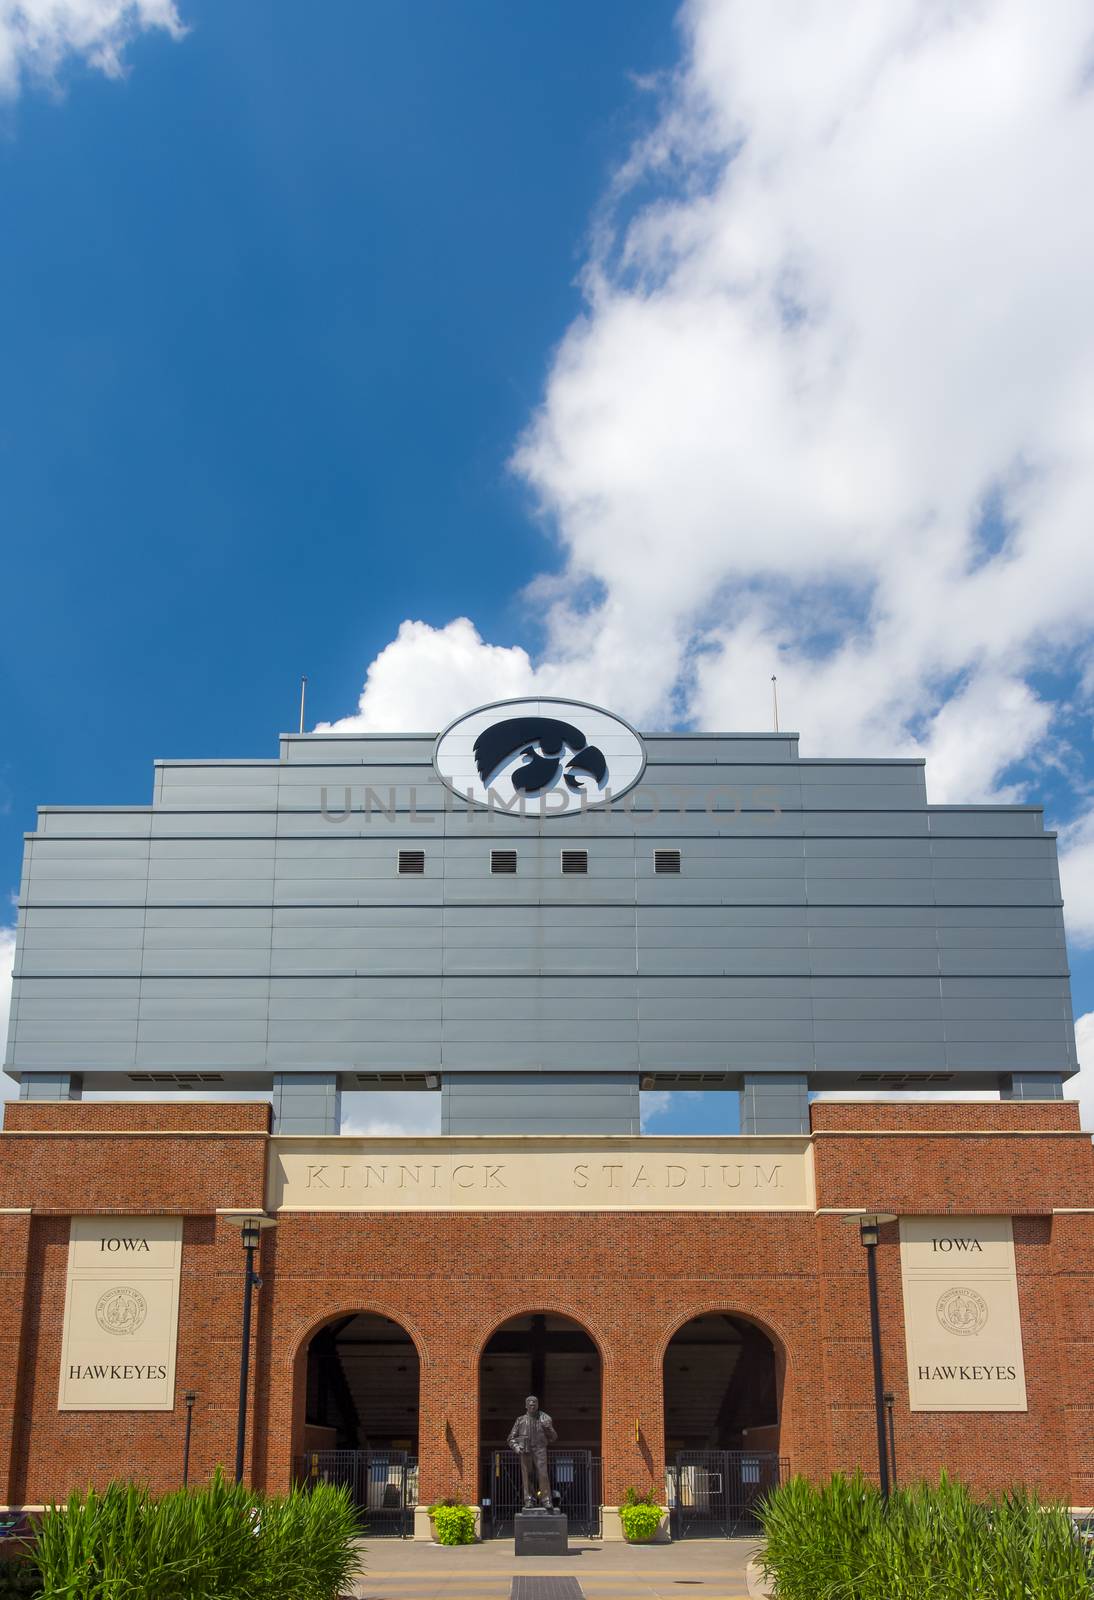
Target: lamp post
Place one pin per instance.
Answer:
(189, 1397)
(890, 1401)
(869, 1226)
(250, 1225)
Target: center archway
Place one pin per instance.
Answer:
(553, 1357)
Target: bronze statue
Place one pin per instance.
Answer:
(529, 1437)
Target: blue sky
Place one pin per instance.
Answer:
(611, 329)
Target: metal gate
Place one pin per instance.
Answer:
(383, 1485)
(714, 1493)
(575, 1479)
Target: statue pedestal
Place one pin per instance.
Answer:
(540, 1533)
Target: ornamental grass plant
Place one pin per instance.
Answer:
(840, 1541)
(220, 1542)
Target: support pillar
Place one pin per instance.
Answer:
(307, 1102)
(1032, 1086)
(775, 1102)
(51, 1086)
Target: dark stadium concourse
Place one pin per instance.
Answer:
(547, 1355)
(362, 1386)
(721, 1386)
(554, 1358)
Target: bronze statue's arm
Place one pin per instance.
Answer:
(549, 1429)
(515, 1441)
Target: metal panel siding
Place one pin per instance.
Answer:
(824, 918)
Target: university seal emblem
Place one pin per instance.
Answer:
(121, 1310)
(962, 1311)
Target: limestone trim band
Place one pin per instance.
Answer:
(541, 1173)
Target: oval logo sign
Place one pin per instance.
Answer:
(539, 757)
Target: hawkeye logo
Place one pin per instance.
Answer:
(543, 757)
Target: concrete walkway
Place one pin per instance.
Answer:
(711, 1569)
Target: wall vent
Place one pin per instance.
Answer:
(503, 862)
(183, 1079)
(411, 863)
(896, 1078)
(666, 861)
(404, 1080)
(574, 862)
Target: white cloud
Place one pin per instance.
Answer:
(1077, 878)
(829, 409)
(1082, 1087)
(383, 1112)
(38, 37)
(427, 676)
(654, 1103)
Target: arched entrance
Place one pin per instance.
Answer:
(360, 1424)
(554, 1358)
(722, 1382)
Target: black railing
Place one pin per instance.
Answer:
(383, 1485)
(714, 1493)
(575, 1480)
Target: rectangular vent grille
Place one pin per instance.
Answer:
(575, 861)
(394, 1080)
(411, 863)
(666, 861)
(503, 861)
(904, 1077)
(183, 1078)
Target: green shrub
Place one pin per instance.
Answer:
(221, 1542)
(640, 1520)
(453, 1522)
(840, 1541)
(632, 1498)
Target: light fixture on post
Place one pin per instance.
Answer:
(250, 1225)
(869, 1227)
(190, 1396)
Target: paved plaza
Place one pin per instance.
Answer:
(712, 1569)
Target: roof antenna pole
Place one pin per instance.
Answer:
(303, 692)
(774, 701)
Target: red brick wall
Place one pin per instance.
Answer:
(955, 1116)
(630, 1280)
(130, 1174)
(156, 1116)
(60, 1450)
(990, 1172)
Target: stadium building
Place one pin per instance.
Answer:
(534, 917)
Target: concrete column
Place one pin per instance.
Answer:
(51, 1086)
(540, 1102)
(775, 1102)
(306, 1102)
(1032, 1086)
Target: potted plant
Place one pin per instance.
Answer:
(452, 1522)
(641, 1516)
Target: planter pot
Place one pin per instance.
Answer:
(658, 1534)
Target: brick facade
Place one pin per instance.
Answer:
(631, 1279)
